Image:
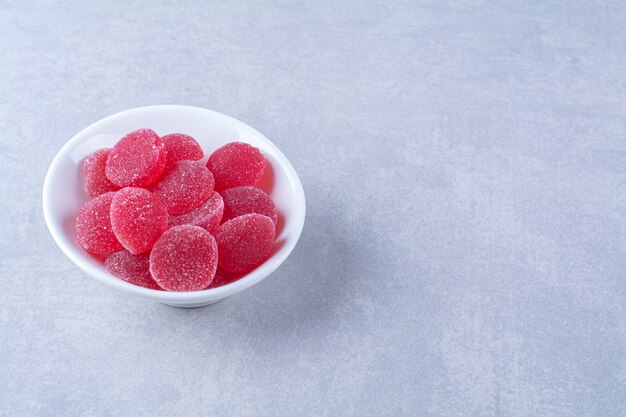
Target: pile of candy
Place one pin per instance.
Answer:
(164, 221)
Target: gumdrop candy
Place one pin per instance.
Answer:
(184, 186)
(181, 147)
(208, 215)
(93, 226)
(236, 164)
(248, 199)
(131, 268)
(95, 179)
(184, 259)
(223, 277)
(137, 160)
(245, 242)
(138, 218)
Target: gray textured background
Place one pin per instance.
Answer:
(465, 245)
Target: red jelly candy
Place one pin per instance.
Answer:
(245, 242)
(95, 179)
(137, 160)
(138, 218)
(208, 215)
(184, 186)
(93, 226)
(223, 277)
(131, 268)
(184, 259)
(236, 164)
(181, 147)
(244, 200)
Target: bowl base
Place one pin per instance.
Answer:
(193, 305)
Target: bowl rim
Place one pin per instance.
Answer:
(206, 295)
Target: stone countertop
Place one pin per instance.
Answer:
(465, 244)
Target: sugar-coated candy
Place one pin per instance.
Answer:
(223, 277)
(94, 175)
(208, 215)
(93, 226)
(236, 164)
(138, 218)
(184, 259)
(131, 268)
(184, 186)
(160, 218)
(181, 147)
(137, 160)
(248, 199)
(245, 242)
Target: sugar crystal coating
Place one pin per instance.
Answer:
(208, 215)
(184, 186)
(236, 164)
(181, 147)
(137, 160)
(95, 179)
(138, 218)
(223, 277)
(93, 226)
(184, 259)
(245, 242)
(180, 195)
(131, 268)
(248, 199)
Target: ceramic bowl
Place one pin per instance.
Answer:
(63, 193)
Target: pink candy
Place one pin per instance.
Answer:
(131, 268)
(245, 200)
(236, 164)
(245, 242)
(93, 226)
(138, 218)
(184, 259)
(94, 167)
(157, 216)
(137, 160)
(184, 186)
(181, 147)
(223, 277)
(207, 216)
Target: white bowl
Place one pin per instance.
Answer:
(63, 193)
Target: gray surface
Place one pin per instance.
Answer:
(465, 244)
